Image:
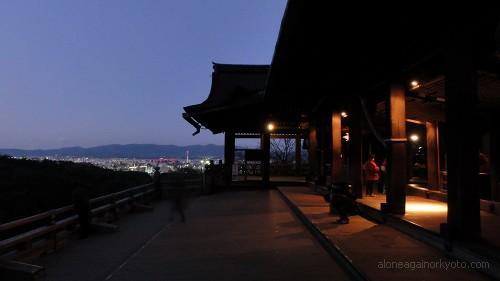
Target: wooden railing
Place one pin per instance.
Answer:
(45, 231)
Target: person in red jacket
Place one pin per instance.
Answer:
(371, 174)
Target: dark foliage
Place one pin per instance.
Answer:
(29, 187)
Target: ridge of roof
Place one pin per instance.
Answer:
(225, 66)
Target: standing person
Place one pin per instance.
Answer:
(209, 177)
(178, 196)
(383, 177)
(343, 200)
(81, 203)
(157, 182)
(371, 174)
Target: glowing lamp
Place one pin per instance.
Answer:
(270, 127)
(414, 138)
(346, 137)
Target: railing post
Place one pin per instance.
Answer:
(53, 234)
(82, 207)
(113, 209)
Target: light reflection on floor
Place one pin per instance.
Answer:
(426, 207)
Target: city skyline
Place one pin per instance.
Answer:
(97, 73)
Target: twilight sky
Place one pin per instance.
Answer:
(86, 73)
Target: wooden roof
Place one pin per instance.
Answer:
(326, 52)
(235, 99)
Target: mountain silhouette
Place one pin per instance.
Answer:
(124, 151)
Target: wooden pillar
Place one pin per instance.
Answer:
(228, 156)
(265, 146)
(433, 168)
(462, 136)
(298, 154)
(322, 149)
(336, 147)
(396, 160)
(356, 149)
(313, 152)
(494, 164)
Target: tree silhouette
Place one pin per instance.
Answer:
(282, 150)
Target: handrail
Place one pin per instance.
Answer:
(56, 225)
(61, 210)
(117, 194)
(34, 218)
(46, 225)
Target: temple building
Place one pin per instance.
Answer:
(420, 93)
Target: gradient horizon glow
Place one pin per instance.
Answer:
(87, 73)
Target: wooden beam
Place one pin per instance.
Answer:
(298, 154)
(336, 147)
(396, 160)
(356, 149)
(229, 145)
(265, 146)
(462, 135)
(433, 167)
(322, 147)
(414, 121)
(494, 164)
(313, 152)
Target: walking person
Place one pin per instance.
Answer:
(371, 170)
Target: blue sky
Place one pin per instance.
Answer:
(86, 73)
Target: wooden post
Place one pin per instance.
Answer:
(356, 149)
(433, 168)
(313, 152)
(396, 160)
(265, 146)
(336, 147)
(298, 154)
(462, 136)
(494, 164)
(229, 143)
(322, 148)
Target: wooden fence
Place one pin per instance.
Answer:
(45, 232)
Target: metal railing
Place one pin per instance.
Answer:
(44, 229)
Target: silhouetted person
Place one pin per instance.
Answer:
(157, 183)
(210, 176)
(177, 192)
(342, 200)
(383, 177)
(81, 203)
(371, 174)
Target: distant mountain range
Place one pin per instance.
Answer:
(124, 151)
